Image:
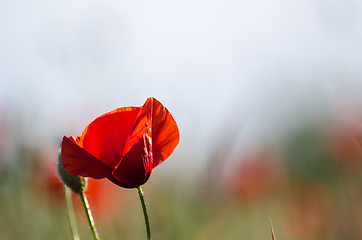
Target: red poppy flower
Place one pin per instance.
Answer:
(123, 145)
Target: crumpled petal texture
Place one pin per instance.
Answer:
(123, 145)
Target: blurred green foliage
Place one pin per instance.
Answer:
(313, 196)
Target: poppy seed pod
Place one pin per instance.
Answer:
(76, 183)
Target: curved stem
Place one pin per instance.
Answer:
(72, 222)
(140, 193)
(272, 229)
(89, 215)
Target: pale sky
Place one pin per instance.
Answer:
(250, 65)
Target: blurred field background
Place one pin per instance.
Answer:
(267, 96)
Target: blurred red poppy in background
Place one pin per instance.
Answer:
(345, 135)
(255, 175)
(102, 195)
(123, 145)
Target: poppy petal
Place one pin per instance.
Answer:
(165, 133)
(140, 126)
(136, 166)
(79, 162)
(119, 183)
(106, 136)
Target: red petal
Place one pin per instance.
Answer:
(106, 136)
(141, 125)
(136, 166)
(121, 184)
(78, 161)
(165, 134)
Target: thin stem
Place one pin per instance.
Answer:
(272, 229)
(89, 215)
(72, 222)
(140, 193)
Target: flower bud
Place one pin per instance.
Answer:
(76, 183)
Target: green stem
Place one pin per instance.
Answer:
(89, 215)
(72, 222)
(142, 198)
